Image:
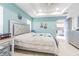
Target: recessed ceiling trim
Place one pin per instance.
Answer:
(44, 9)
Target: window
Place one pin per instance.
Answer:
(1, 19)
(60, 23)
(60, 27)
(29, 22)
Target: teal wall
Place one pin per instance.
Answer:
(11, 12)
(51, 21)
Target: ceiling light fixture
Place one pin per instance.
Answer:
(41, 14)
(57, 9)
(35, 12)
(39, 10)
(55, 13)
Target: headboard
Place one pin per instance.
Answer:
(20, 28)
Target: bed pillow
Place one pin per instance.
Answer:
(44, 34)
(48, 35)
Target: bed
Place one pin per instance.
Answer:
(40, 42)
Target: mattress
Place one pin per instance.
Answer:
(39, 48)
(38, 40)
(35, 41)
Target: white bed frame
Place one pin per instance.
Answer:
(14, 26)
(21, 29)
(17, 28)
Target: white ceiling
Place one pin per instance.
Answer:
(44, 9)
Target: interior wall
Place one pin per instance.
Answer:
(73, 36)
(11, 12)
(73, 12)
(51, 24)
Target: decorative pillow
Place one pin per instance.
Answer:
(45, 34)
(34, 34)
(41, 34)
(32, 30)
(49, 35)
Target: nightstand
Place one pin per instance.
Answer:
(6, 44)
(5, 47)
